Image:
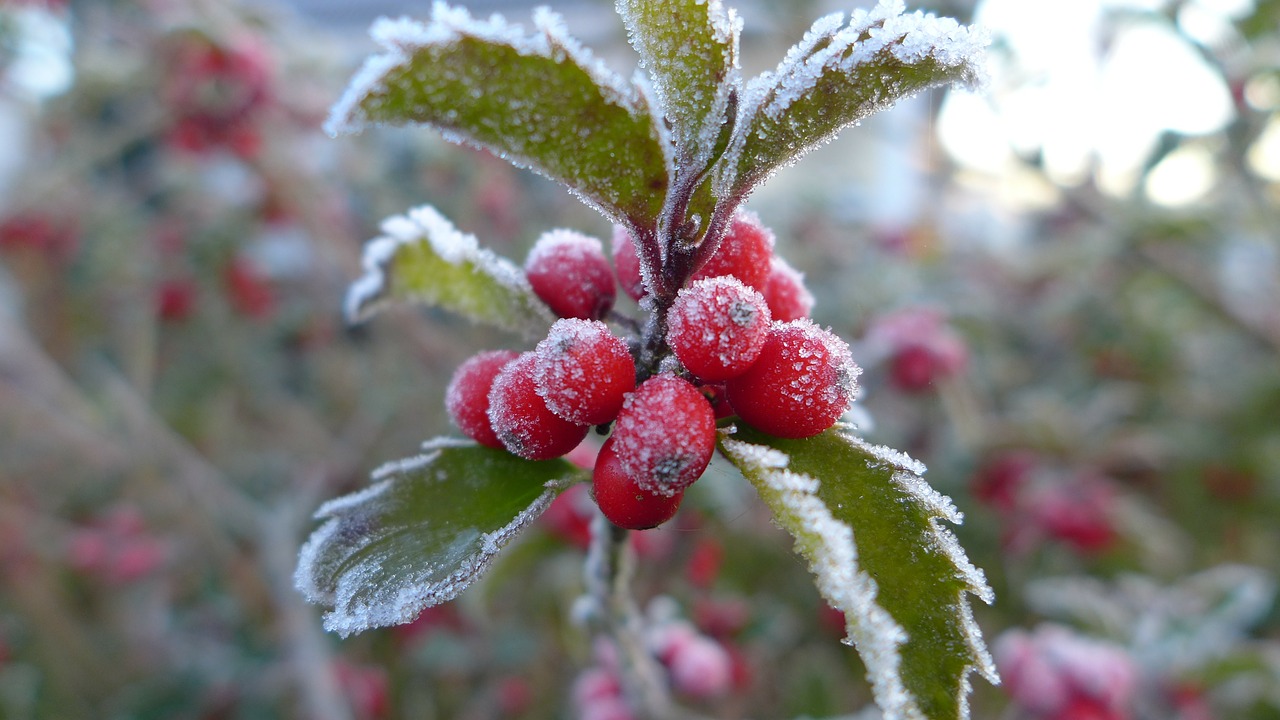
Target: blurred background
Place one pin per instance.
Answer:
(1065, 292)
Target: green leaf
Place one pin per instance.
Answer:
(538, 100)
(424, 531)
(871, 529)
(421, 257)
(690, 49)
(837, 75)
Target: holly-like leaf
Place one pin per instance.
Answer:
(837, 75)
(690, 49)
(870, 528)
(421, 257)
(424, 531)
(539, 100)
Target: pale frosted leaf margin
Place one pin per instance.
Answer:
(421, 257)
(690, 50)
(837, 75)
(424, 531)
(540, 100)
(871, 529)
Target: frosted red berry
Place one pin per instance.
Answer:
(583, 371)
(569, 272)
(800, 385)
(521, 419)
(744, 252)
(467, 397)
(626, 263)
(785, 293)
(625, 502)
(665, 434)
(717, 327)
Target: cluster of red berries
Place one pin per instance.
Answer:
(216, 93)
(744, 346)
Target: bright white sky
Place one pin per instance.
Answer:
(1097, 104)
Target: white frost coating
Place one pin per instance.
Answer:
(830, 48)
(939, 507)
(369, 293)
(833, 559)
(401, 38)
(414, 592)
(693, 142)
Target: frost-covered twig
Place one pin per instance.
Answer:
(608, 574)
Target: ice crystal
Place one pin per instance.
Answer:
(405, 262)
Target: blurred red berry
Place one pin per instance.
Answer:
(467, 396)
(626, 263)
(248, 290)
(785, 293)
(175, 300)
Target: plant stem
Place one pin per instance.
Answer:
(609, 569)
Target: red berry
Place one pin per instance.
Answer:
(665, 434)
(467, 398)
(175, 300)
(521, 419)
(583, 372)
(717, 327)
(801, 384)
(744, 252)
(568, 270)
(785, 292)
(248, 289)
(627, 263)
(624, 501)
(913, 369)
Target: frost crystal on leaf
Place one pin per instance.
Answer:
(828, 545)
(837, 75)
(522, 96)
(422, 257)
(427, 529)
(872, 530)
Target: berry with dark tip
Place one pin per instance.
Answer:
(583, 371)
(467, 397)
(665, 434)
(717, 327)
(625, 502)
(569, 272)
(801, 384)
(521, 419)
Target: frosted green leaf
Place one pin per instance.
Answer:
(871, 530)
(837, 75)
(690, 50)
(539, 100)
(424, 531)
(421, 257)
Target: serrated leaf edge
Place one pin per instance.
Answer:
(835, 567)
(369, 293)
(347, 618)
(401, 37)
(879, 638)
(829, 46)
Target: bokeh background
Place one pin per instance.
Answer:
(1065, 292)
